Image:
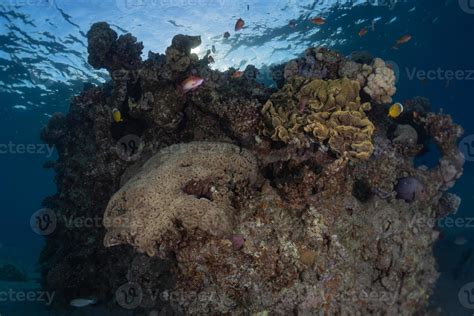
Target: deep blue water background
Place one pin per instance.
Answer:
(43, 63)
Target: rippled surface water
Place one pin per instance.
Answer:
(43, 62)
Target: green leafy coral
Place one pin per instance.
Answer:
(331, 111)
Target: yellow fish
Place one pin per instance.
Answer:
(117, 115)
(395, 110)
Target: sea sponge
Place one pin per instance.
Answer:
(381, 83)
(333, 112)
(185, 186)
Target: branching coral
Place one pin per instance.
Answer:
(188, 185)
(327, 110)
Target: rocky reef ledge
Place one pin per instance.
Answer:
(237, 197)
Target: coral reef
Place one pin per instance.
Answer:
(374, 76)
(190, 184)
(244, 199)
(331, 112)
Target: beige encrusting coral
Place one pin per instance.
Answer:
(184, 185)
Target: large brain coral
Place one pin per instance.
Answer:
(326, 110)
(184, 186)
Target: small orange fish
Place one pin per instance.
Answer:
(226, 35)
(239, 25)
(191, 84)
(362, 32)
(402, 40)
(237, 74)
(318, 20)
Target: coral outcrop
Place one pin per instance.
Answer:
(243, 199)
(185, 185)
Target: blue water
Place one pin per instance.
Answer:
(43, 62)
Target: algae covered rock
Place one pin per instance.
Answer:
(190, 184)
(325, 111)
(107, 50)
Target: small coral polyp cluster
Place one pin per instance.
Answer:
(242, 198)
